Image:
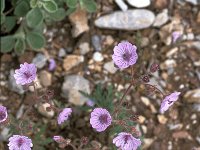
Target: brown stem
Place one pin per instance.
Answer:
(126, 92)
(156, 89)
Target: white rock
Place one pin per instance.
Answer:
(40, 60)
(121, 5)
(71, 87)
(129, 20)
(145, 100)
(84, 48)
(139, 3)
(42, 110)
(98, 57)
(13, 85)
(194, 2)
(45, 78)
(161, 18)
(109, 66)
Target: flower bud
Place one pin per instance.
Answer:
(154, 67)
(84, 140)
(145, 78)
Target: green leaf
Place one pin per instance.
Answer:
(33, 3)
(70, 10)
(2, 6)
(59, 15)
(7, 43)
(20, 46)
(10, 23)
(35, 40)
(71, 3)
(89, 5)
(50, 6)
(34, 17)
(21, 9)
(3, 18)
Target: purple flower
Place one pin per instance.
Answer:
(100, 119)
(64, 115)
(169, 101)
(3, 114)
(58, 139)
(175, 36)
(125, 55)
(19, 142)
(126, 141)
(52, 64)
(26, 74)
(90, 103)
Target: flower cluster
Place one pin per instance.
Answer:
(125, 55)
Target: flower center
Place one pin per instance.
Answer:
(126, 56)
(27, 75)
(2, 115)
(103, 118)
(20, 142)
(126, 137)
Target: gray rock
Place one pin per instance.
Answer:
(45, 78)
(98, 57)
(96, 42)
(122, 5)
(39, 60)
(71, 87)
(139, 3)
(4, 134)
(84, 48)
(130, 20)
(194, 2)
(161, 18)
(192, 96)
(13, 85)
(109, 66)
(196, 107)
(61, 52)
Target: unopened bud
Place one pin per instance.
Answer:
(154, 67)
(84, 140)
(145, 78)
(50, 93)
(59, 139)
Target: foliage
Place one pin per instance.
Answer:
(23, 21)
(102, 97)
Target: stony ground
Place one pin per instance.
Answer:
(82, 46)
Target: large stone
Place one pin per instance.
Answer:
(109, 66)
(45, 78)
(192, 96)
(71, 61)
(79, 22)
(13, 85)
(161, 18)
(40, 60)
(71, 87)
(129, 20)
(139, 3)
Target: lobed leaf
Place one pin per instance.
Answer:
(21, 9)
(20, 46)
(71, 3)
(7, 43)
(50, 6)
(35, 40)
(89, 5)
(34, 17)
